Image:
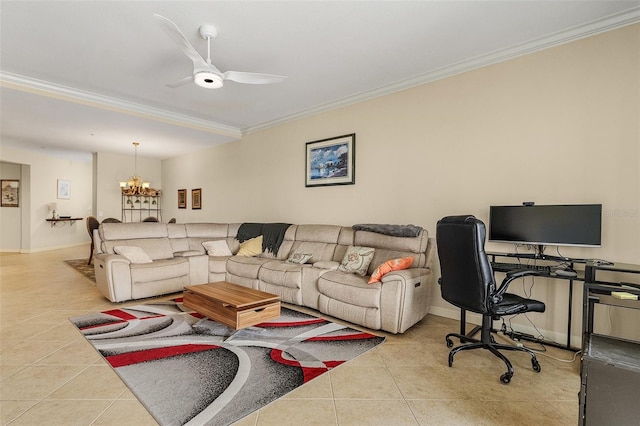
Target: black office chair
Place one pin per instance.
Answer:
(92, 224)
(468, 282)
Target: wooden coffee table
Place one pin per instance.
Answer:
(231, 304)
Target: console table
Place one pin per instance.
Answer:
(63, 220)
(610, 366)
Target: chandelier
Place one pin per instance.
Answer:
(135, 185)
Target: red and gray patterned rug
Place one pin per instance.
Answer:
(187, 369)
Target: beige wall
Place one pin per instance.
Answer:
(556, 126)
(40, 173)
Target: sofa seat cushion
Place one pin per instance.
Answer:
(281, 273)
(246, 267)
(159, 270)
(350, 288)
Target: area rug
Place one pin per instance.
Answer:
(81, 266)
(189, 370)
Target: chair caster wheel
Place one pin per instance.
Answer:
(536, 365)
(449, 343)
(506, 378)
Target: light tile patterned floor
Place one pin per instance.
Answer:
(50, 375)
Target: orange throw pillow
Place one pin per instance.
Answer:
(388, 266)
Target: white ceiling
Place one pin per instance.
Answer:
(90, 76)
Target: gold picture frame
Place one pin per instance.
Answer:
(196, 199)
(182, 198)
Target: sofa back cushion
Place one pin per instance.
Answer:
(319, 241)
(152, 237)
(126, 231)
(389, 247)
(178, 237)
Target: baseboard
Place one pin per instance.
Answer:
(43, 249)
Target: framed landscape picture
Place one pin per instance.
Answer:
(331, 161)
(10, 190)
(196, 199)
(182, 198)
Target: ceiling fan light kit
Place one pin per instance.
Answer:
(208, 80)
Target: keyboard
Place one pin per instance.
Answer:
(508, 267)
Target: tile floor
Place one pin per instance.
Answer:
(49, 375)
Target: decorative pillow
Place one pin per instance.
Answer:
(356, 260)
(388, 266)
(217, 248)
(251, 248)
(133, 253)
(299, 258)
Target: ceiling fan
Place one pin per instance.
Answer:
(205, 74)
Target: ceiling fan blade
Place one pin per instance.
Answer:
(180, 82)
(252, 77)
(174, 32)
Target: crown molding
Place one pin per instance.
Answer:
(44, 88)
(589, 29)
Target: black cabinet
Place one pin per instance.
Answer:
(610, 367)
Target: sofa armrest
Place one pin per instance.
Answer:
(405, 298)
(113, 276)
(406, 274)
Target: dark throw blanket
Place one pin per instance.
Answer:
(272, 234)
(393, 230)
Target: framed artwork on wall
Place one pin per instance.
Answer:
(331, 161)
(182, 198)
(196, 199)
(10, 192)
(64, 189)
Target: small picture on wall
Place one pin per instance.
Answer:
(196, 199)
(10, 189)
(64, 190)
(331, 161)
(182, 198)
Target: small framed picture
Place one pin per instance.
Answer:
(182, 198)
(10, 192)
(196, 199)
(64, 190)
(331, 161)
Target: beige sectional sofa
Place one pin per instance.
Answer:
(178, 258)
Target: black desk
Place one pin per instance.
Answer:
(513, 257)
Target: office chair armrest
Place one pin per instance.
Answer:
(511, 276)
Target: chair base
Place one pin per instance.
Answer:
(488, 342)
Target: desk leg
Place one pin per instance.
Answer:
(569, 313)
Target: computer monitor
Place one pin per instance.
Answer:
(557, 225)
